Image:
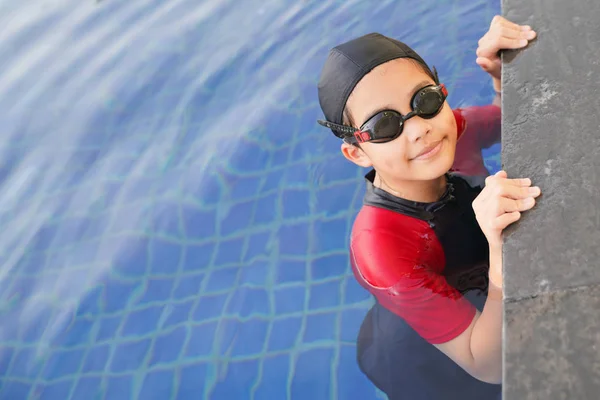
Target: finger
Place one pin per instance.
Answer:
(499, 20)
(516, 34)
(509, 205)
(505, 220)
(521, 182)
(516, 192)
(511, 32)
(485, 63)
(506, 43)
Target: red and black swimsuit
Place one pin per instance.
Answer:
(427, 265)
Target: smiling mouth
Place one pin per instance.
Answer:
(429, 151)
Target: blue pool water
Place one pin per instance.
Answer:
(174, 222)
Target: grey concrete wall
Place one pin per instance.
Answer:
(551, 133)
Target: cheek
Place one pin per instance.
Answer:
(394, 156)
(449, 123)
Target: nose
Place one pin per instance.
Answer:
(417, 128)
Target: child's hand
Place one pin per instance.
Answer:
(500, 204)
(502, 34)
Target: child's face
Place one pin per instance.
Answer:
(391, 86)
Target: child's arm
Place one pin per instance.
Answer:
(479, 348)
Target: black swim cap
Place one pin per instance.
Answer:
(349, 62)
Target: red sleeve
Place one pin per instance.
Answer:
(483, 123)
(404, 272)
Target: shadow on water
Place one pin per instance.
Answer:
(174, 222)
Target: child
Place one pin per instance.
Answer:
(425, 238)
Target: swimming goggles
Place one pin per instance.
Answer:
(387, 125)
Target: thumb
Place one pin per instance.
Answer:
(501, 174)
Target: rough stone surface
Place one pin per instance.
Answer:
(551, 133)
(552, 346)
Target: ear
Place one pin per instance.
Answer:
(356, 155)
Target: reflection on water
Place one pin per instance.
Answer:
(170, 211)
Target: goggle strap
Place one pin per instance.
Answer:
(345, 130)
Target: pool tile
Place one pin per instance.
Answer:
(117, 294)
(157, 289)
(96, 358)
(330, 266)
(351, 320)
(89, 304)
(334, 200)
(198, 257)
(119, 387)
(158, 385)
(193, 381)
(280, 156)
(275, 374)
(296, 203)
(293, 239)
(312, 374)
(166, 221)
(109, 326)
(297, 176)
(210, 306)
(325, 295)
(352, 383)
(165, 256)
(259, 244)
(229, 251)
(284, 333)
(247, 301)
(320, 327)
(266, 209)
(289, 271)
(129, 356)
(134, 262)
(142, 322)
(33, 332)
(354, 293)
(188, 286)
(88, 388)
(59, 390)
(207, 190)
(25, 364)
(289, 300)
(44, 237)
(226, 335)
(244, 187)
(255, 273)
(237, 218)
(220, 279)
(249, 157)
(6, 355)
(63, 363)
(238, 381)
(175, 314)
(168, 346)
(331, 234)
(250, 337)
(202, 340)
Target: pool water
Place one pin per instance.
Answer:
(174, 222)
